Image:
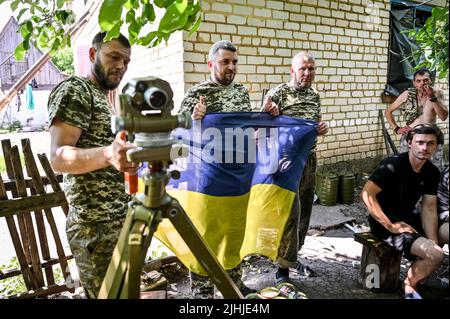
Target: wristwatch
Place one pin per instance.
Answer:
(396, 129)
(433, 99)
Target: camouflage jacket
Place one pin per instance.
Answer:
(411, 109)
(303, 104)
(218, 98)
(99, 195)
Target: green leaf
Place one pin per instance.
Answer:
(43, 39)
(130, 17)
(114, 32)
(21, 12)
(19, 52)
(145, 41)
(163, 3)
(14, 5)
(148, 12)
(196, 25)
(71, 17)
(175, 17)
(24, 30)
(110, 14)
(133, 31)
(60, 3)
(29, 25)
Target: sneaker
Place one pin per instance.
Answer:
(412, 295)
(304, 270)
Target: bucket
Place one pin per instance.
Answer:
(346, 188)
(326, 188)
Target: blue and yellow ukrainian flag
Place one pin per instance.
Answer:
(238, 184)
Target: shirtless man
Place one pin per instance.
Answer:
(421, 104)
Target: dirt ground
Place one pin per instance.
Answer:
(330, 251)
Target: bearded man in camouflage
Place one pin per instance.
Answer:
(92, 158)
(299, 99)
(217, 94)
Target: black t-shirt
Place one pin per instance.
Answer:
(401, 188)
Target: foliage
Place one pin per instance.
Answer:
(432, 40)
(16, 285)
(13, 127)
(64, 61)
(45, 22)
(13, 285)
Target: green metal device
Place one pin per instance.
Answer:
(145, 114)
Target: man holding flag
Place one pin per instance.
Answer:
(217, 94)
(298, 99)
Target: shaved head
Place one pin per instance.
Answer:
(302, 56)
(303, 70)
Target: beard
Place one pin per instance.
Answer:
(302, 85)
(102, 76)
(225, 79)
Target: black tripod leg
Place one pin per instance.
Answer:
(202, 252)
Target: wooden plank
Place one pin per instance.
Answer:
(39, 292)
(34, 173)
(16, 272)
(10, 185)
(27, 277)
(52, 178)
(6, 146)
(16, 206)
(22, 191)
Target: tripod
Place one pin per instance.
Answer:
(147, 210)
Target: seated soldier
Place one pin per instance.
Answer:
(390, 196)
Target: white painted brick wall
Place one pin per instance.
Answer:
(350, 46)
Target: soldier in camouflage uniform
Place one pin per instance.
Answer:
(92, 158)
(298, 99)
(217, 94)
(420, 104)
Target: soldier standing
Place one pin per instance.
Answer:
(92, 158)
(217, 94)
(298, 99)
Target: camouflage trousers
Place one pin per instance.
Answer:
(92, 245)
(436, 159)
(203, 288)
(297, 225)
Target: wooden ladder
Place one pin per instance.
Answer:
(26, 209)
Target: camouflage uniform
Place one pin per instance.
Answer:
(412, 110)
(303, 104)
(217, 98)
(97, 200)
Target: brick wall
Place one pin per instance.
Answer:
(163, 61)
(349, 39)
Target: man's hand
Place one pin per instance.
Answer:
(428, 90)
(403, 130)
(116, 155)
(322, 128)
(199, 109)
(271, 107)
(401, 227)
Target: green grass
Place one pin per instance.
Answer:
(3, 166)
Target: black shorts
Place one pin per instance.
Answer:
(402, 243)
